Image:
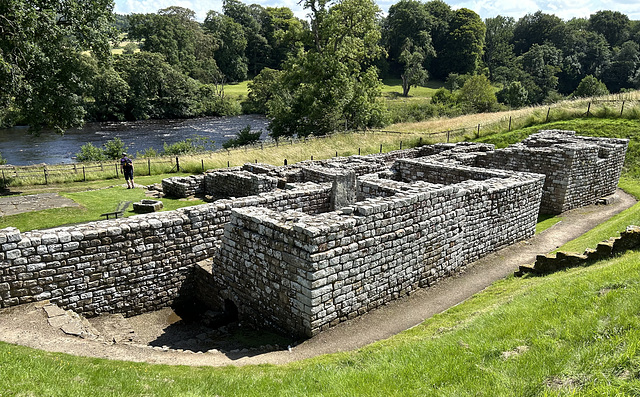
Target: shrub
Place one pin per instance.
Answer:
(114, 148)
(88, 152)
(148, 152)
(2, 160)
(443, 97)
(590, 86)
(477, 94)
(243, 137)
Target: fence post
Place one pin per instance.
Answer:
(202, 160)
(336, 153)
(285, 161)
(46, 180)
(448, 136)
(400, 145)
(420, 142)
(4, 180)
(149, 165)
(312, 157)
(478, 133)
(380, 148)
(622, 110)
(358, 151)
(101, 166)
(548, 111)
(117, 176)
(589, 109)
(177, 164)
(261, 146)
(509, 123)
(84, 174)
(228, 165)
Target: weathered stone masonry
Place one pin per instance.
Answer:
(336, 239)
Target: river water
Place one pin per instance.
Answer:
(19, 147)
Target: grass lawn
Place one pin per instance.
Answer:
(392, 88)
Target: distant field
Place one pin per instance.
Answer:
(393, 89)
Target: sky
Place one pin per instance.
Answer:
(565, 9)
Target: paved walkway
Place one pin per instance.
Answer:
(36, 202)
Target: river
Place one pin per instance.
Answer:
(19, 147)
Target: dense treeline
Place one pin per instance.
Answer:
(309, 77)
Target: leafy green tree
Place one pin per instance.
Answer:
(624, 65)
(613, 25)
(249, 18)
(156, 89)
(412, 58)
(514, 95)
(590, 86)
(498, 55)
(43, 73)
(284, 33)
(477, 94)
(407, 19)
(584, 52)
(111, 94)
(443, 96)
(441, 16)
(262, 89)
(174, 33)
(333, 85)
(540, 64)
(230, 56)
(466, 40)
(538, 28)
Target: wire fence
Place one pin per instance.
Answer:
(45, 174)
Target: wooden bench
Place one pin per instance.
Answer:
(119, 211)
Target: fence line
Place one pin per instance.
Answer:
(44, 173)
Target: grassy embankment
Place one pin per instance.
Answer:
(576, 332)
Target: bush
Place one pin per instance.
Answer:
(443, 97)
(114, 148)
(243, 137)
(149, 152)
(88, 152)
(590, 86)
(2, 160)
(477, 94)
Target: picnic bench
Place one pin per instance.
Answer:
(119, 211)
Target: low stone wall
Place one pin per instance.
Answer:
(544, 264)
(129, 265)
(181, 187)
(303, 273)
(238, 183)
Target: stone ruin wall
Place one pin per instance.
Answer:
(130, 265)
(304, 273)
(414, 223)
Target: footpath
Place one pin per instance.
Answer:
(28, 326)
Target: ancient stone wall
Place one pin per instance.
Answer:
(303, 273)
(129, 265)
(237, 183)
(181, 187)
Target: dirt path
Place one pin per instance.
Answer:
(29, 324)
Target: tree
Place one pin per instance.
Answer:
(333, 85)
(249, 18)
(412, 58)
(514, 95)
(284, 33)
(590, 86)
(466, 40)
(43, 73)
(538, 28)
(477, 94)
(230, 56)
(613, 25)
(174, 33)
(541, 65)
(243, 137)
(498, 51)
(625, 63)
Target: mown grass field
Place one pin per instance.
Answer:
(576, 332)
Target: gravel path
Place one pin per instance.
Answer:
(29, 325)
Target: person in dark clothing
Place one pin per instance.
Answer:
(126, 166)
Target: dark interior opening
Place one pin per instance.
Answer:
(230, 311)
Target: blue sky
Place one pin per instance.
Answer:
(565, 9)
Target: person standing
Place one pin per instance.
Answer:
(126, 166)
